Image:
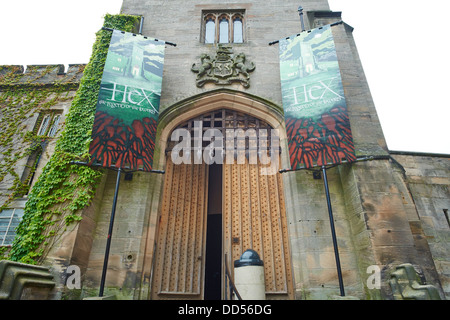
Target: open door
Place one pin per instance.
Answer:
(209, 211)
(214, 236)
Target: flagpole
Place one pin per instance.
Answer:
(333, 232)
(108, 240)
(300, 12)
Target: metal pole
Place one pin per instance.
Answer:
(300, 12)
(141, 25)
(333, 232)
(108, 240)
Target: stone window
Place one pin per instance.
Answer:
(49, 123)
(46, 126)
(9, 220)
(446, 216)
(223, 27)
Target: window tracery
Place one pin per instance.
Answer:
(223, 27)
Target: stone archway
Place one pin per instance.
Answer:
(173, 116)
(252, 210)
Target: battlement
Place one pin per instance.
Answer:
(40, 75)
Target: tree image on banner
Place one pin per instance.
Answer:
(126, 118)
(118, 144)
(317, 123)
(326, 141)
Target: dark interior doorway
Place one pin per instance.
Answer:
(213, 263)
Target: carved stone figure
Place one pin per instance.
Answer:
(204, 67)
(240, 65)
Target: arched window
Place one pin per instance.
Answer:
(237, 30)
(54, 127)
(44, 124)
(210, 31)
(223, 27)
(223, 30)
(49, 124)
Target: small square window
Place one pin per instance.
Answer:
(9, 220)
(223, 27)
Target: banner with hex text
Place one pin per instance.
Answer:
(127, 110)
(315, 109)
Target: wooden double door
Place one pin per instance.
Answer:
(211, 214)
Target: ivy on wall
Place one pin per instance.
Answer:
(64, 189)
(22, 96)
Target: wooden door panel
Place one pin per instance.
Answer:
(254, 218)
(178, 268)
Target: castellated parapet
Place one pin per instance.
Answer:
(38, 75)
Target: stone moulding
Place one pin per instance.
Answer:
(406, 284)
(223, 69)
(20, 281)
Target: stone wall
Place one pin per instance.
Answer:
(311, 242)
(27, 94)
(20, 79)
(428, 181)
(180, 22)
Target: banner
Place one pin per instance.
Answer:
(317, 124)
(127, 109)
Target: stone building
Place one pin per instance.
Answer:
(176, 233)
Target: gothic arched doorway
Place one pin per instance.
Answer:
(209, 212)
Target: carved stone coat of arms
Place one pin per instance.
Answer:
(224, 68)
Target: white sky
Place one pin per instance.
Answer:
(404, 49)
(402, 44)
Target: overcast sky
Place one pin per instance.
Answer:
(402, 45)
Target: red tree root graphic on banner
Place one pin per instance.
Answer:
(326, 141)
(116, 144)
